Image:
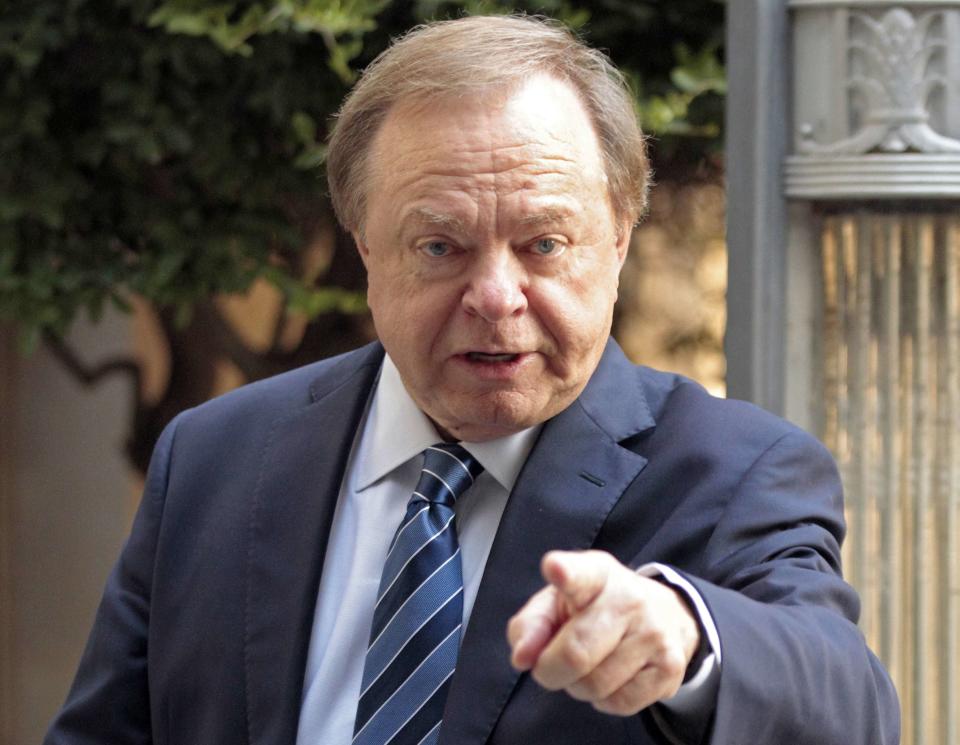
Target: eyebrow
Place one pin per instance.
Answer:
(547, 215)
(428, 216)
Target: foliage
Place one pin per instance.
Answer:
(171, 148)
(139, 157)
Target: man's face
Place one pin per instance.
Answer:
(492, 255)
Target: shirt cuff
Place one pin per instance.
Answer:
(694, 702)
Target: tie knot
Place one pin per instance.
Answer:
(448, 471)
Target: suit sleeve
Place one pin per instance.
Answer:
(109, 701)
(796, 668)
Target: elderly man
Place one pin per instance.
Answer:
(592, 553)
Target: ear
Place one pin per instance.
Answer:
(624, 234)
(362, 248)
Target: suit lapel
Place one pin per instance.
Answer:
(291, 514)
(574, 476)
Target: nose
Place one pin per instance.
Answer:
(496, 286)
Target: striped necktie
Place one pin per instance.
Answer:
(416, 623)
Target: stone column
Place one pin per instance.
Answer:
(873, 183)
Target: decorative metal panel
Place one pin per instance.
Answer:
(876, 120)
(891, 413)
(871, 80)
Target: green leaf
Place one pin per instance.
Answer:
(311, 158)
(120, 303)
(171, 147)
(166, 268)
(304, 127)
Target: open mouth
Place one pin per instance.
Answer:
(487, 357)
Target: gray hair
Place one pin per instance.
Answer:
(486, 52)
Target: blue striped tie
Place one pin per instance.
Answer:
(416, 623)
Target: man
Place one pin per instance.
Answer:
(609, 555)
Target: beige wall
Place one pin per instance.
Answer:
(64, 512)
(6, 525)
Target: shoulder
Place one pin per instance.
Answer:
(687, 415)
(642, 407)
(253, 407)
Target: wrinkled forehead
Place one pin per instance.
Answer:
(539, 118)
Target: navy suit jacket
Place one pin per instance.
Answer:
(202, 634)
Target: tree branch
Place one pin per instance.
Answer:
(91, 375)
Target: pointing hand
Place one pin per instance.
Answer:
(603, 633)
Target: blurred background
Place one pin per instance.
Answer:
(165, 236)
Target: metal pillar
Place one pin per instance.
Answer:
(844, 238)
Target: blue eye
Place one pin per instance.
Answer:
(548, 247)
(437, 248)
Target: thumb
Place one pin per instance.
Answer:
(532, 628)
(579, 576)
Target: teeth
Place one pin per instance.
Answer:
(484, 357)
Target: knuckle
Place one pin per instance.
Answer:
(673, 664)
(581, 691)
(605, 621)
(604, 685)
(636, 602)
(575, 654)
(544, 679)
(594, 687)
(656, 641)
(623, 703)
(673, 675)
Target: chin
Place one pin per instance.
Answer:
(490, 419)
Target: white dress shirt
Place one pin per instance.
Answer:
(380, 476)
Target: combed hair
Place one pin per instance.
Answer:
(480, 53)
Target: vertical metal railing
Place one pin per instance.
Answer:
(888, 279)
(950, 436)
(891, 354)
(920, 486)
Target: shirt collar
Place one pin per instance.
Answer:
(399, 431)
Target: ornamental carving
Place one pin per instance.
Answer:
(895, 66)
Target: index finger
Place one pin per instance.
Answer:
(579, 576)
(532, 628)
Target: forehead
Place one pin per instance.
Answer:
(533, 136)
